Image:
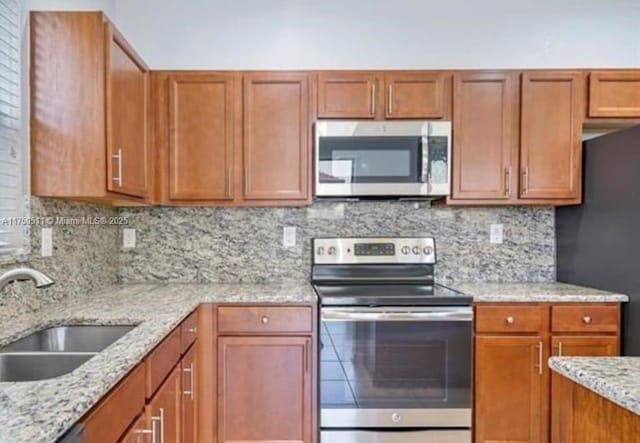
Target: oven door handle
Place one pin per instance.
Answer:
(441, 315)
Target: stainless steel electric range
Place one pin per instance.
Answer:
(395, 359)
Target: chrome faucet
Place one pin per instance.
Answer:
(20, 274)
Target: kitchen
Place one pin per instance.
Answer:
(286, 233)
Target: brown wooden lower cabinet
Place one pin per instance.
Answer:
(264, 389)
(189, 393)
(591, 418)
(517, 398)
(511, 387)
(562, 388)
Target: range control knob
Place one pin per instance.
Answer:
(405, 250)
(331, 250)
(416, 250)
(320, 250)
(428, 250)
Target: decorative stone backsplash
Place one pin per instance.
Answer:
(245, 244)
(85, 256)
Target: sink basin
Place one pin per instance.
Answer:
(69, 339)
(31, 367)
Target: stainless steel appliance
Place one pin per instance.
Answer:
(598, 241)
(395, 362)
(382, 158)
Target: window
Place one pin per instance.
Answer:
(11, 174)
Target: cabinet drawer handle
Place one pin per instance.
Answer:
(191, 390)
(118, 179)
(264, 319)
(373, 99)
(587, 320)
(507, 181)
(154, 419)
(510, 320)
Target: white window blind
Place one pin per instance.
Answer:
(10, 150)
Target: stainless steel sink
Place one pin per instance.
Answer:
(31, 367)
(69, 339)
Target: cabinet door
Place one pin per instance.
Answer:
(511, 389)
(163, 411)
(551, 130)
(485, 141)
(127, 107)
(201, 137)
(189, 392)
(562, 388)
(264, 389)
(614, 94)
(347, 94)
(276, 136)
(416, 95)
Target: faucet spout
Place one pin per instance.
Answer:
(20, 274)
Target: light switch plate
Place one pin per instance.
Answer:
(46, 242)
(128, 238)
(289, 236)
(497, 234)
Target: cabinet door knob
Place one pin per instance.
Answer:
(511, 320)
(586, 320)
(264, 319)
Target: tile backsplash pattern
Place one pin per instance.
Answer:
(245, 244)
(85, 258)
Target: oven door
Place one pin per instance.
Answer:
(384, 367)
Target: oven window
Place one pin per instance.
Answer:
(395, 364)
(370, 159)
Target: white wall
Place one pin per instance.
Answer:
(107, 6)
(254, 34)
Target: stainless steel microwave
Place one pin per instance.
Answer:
(382, 158)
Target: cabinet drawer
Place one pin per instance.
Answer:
(110, 419)
(188, 331)
(585, 318)
(264, 319)
(161, 360)
(511, 318)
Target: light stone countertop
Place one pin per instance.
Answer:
(615, 378)
(536, 292)
(41, 411)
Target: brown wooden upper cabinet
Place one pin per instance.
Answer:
(485, 135)
(614, 94)
(551, 135)
(348, 94)
(276, 136)
(416, 94)
(89, 102)
(380, 95)
(201, 137)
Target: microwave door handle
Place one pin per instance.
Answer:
(462, 315)
(425, 160)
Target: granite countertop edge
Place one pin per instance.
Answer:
(616, 379)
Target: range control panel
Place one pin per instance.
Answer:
(405, 250)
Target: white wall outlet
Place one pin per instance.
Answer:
(289, 236)
(128, 238)
(497, 234)
(46, 242)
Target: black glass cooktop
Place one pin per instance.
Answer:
(390, 295)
